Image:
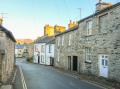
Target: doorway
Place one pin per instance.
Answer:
(69, 62)
(75, 63)
(38, 59)
(103, 65)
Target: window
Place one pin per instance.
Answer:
(88, 54)
(89, 27)
(58, 59)
(69, 39)
(104, 60)
(58, 41)
(50, 48)
(36, 49)
(102, 23)
(42, 48)
(62, 40)
(42, 58)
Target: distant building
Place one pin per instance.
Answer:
(24, 41)
(24, 48)
(19, 50)
(52, 30)
(44, 51)
(7, 54)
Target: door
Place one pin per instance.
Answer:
(69, 62)
(103, 64)
(38, 59)
(75, 62)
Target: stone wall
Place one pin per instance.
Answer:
(7, 47)
(105, 39)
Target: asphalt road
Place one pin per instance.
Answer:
(44, 77)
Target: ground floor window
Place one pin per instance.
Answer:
(42, 58)
(58, 57)
(88, 54)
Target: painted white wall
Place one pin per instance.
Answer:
(19, 52)
(36, 52)
(49, 54)
(46, 55)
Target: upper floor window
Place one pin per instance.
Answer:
(62, 40)
(42, 48)
(50, 48)
(58, 41)
(69, 41)
(89, 27)
(103, 23)
(88, 54)
(36, 49)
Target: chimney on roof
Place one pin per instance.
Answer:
(102, 5)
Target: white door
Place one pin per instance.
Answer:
(103, 65)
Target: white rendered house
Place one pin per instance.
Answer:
(44, 51)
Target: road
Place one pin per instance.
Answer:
(44, 77)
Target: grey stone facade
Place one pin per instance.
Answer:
(7, 51)
(90, 44)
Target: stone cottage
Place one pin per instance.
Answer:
(7, 54)
(94, 48)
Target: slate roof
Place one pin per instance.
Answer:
(19, 46)
(8, 33)
(99, 12)
(68, 30)
(51, 41)
(45, 39)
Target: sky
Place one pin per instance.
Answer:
(27, 18)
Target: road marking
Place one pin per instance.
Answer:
(13, 80)
(22, 78)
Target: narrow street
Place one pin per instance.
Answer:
(44, 77)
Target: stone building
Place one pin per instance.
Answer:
(93, 47)
(7, 54)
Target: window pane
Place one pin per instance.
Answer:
(102, 61)
(106, 62)
(106, 56)
(102, 56)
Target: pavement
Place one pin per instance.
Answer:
(35, 76)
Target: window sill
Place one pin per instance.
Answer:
(88, 62)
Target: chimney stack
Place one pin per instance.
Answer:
(102, 5)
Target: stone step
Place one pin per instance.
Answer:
(6, 87)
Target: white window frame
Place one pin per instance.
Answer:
(62, 40)
(88, 54)
(42, 48)
(69, 41)
(58, 41)
(89, 27)
(50, 48)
